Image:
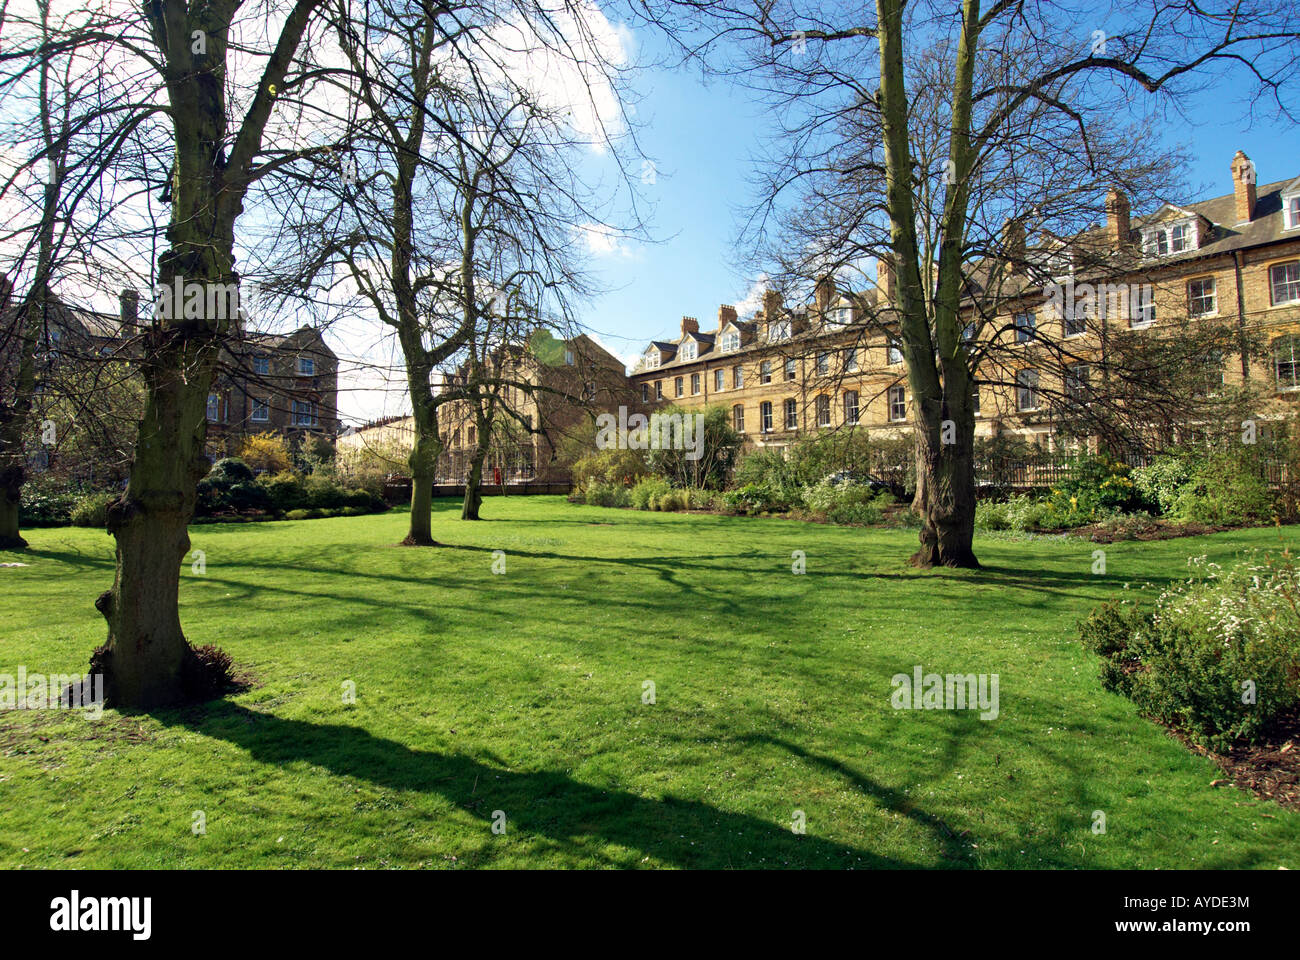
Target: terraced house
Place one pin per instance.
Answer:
(832, 363)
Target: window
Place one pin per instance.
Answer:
(588, 392)
(645, 393)
(306, 367)
(843, 316)
(779, 330)
(1200, 297)
(968, 332)
(262, 366)
(695, 383)
(214, 408)
(651, 359)
(659, 389)
(1157, 243)
(261, 411)
(789, 369)
(851, 360)
(688, 351)
(1284, 279)
(737, 377)
(304, 415)
(738, 418)
(730, 341)
(823, 364)
(568, 358)
(1026, 390)
(823, 410)
(1142, 306)
(1076, 382)
(791, 414)
(1180, 238)
(1293, 212)
(1024, 327)
(719, 380)
(765, 372)
(1208, 381)
(765, 416)
(1074, 323)
(679, 387)
(851, 409)
(975, 398)
(1286, 362)
(894, 352)
(469, 436)
(897, 403)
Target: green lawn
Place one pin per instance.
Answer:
(522, 693)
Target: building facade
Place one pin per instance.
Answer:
(819, 366)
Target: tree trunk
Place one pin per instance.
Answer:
(473, 485)
(424, 463)
(147, 654)
(945, 499)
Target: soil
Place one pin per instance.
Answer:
(1269, 768)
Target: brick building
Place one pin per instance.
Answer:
(788, 371)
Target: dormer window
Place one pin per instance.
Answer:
(730, 341)
(1292, 207)
(842, 316)
(1170, 238)
(650, 359)
(688, 350)
(779, 330)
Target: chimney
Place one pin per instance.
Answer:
(885, 279)
(825, 293)
(128, 309)
(690, 325)
(6, 290)
(1013, 244)
(771, 305)
(1117, 222)
(1243, 186)
(726, 315)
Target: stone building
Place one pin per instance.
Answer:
(788, 371)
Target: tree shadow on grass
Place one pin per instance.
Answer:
(673, 831)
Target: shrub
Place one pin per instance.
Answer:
(844, 501)
(249, 496)
(1191, 658)
(1018, 513)
(1224, 489)
(302, 515)
(1160, 482)
(699, 498)
(855, 514)
(92, 510)
(758, 498)
(671, 500)
(207, 674)
(228, 471)
(266, 452)
(607, 495)
(44, 506)
(286, 490)
(646, 489)
(609, 466)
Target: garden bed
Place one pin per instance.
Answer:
(1269, 768)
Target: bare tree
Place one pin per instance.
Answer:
(926, 126)
(457, 184)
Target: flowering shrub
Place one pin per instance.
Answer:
(1217, 655)
(844, 501)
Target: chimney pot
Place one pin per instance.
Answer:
(771, 305)
(726, 315)
(690, 325)
(885, 278)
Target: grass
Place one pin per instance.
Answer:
(522, 693)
